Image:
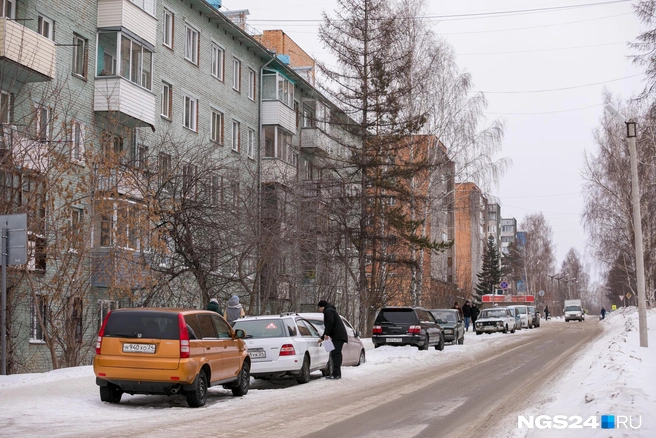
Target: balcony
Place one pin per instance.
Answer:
(274, 112)
(25, 56)
(120, 182)
(277, 171)
(317, 142)
(124, 14)
(119, 268)
(133, 105)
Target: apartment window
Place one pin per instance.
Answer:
(190, 113)
(164, 167)
(218, 62)
(5, 107)
(168, 28)
(191, 44)
(140, 152)
(76, 317)
(146, 5)
(189, 175)
(42, 124)
(236, 74)
(251, 143)
(36, 250)
(234, 189)
(136, 62)
(46, 27)
(80, 56)
(38, 314)
(167, 100)
(9, 9)
(127, 226)
(236, 136)
(217, 127)
(107, 53)
(217, 187)
(77, 141)
(107, 228)
(76, 219)
(277, 87)
(278, 145)
(112, 145)
(251, 84)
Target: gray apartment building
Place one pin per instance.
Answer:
(164, 155)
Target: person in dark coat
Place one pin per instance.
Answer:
(466, 313)
(474, 315)
(546, 312)
(603, 313)
(234, 311)
(213, 305)
(457, 307)
(336, 331)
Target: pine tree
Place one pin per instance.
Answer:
(490, 275)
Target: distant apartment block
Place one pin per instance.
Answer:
(471, 234)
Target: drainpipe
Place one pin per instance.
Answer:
(259, 187)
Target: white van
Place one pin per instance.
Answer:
(526, 319)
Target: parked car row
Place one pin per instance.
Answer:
(185, 351)
(507, 319)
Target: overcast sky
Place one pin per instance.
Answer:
(542, 68)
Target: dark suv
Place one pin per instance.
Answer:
(407, 326)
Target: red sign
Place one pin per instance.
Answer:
(508, 299)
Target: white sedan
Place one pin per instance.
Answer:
(282, 345)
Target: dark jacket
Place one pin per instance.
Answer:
(466, 311)
(334, 326)
(474, 313)
(213, 307)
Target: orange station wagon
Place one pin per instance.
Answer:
(169, 351)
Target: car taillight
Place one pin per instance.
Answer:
(101, 333)
(378, 330)
(414, 329)
(287, 350)
(184, 337)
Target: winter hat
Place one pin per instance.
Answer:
(214, 300)
(233, 301)
(322, 303)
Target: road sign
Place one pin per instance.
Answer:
(503, 285)
(621, 297)
(541, 293)
(628, 295)
(613, 307)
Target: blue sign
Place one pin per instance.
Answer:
(504, 285)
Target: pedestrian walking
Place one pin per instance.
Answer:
(457, 307)
(213, 305)
(466, 312)
(546, 312)
(336, 332)
(603, 313)
(474, 316)
(234, 311)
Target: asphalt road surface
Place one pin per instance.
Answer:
(466, 399)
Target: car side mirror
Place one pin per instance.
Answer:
(241, 334)
(357, 334)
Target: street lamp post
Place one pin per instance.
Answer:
(637, 224)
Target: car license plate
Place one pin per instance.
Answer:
(394, 340)
(139, 348)
(257, 354)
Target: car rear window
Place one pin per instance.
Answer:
(142, 324)
(262, 328)
(445, 316)
(396, 316)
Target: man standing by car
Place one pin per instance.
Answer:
(474, 315)
(336, 332)
(466, 312)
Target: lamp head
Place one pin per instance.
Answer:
(613, 111)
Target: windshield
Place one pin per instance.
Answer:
(445, 316)
(261, 328)
(572, 308)
(497, 313)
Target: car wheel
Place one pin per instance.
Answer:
(440, 345)
(198, 396)
(478, 333)
(505, 329)
(304, 377)
(513, 330)
(362, 359)
(329, 368)
(461, 340)
(110, 393)
(425, 346)
(244, 380)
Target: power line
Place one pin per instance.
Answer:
(563, 88)
(545, 112)
(473, 14)
(541, 50)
